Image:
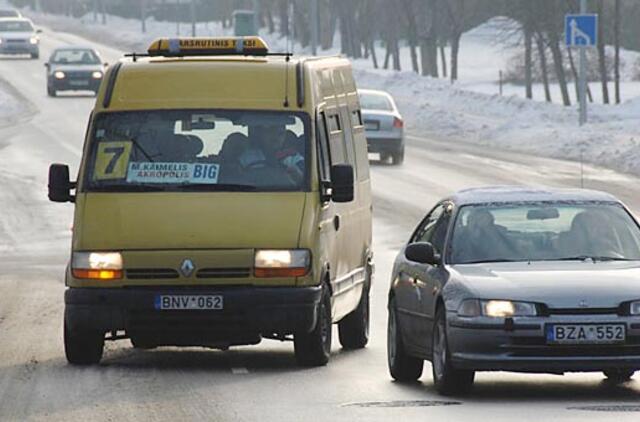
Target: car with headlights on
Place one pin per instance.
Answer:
(517, 279)
(383, 124)
(74, 69)
(18, 36)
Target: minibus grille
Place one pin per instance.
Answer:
(223, 273)
(152, 273)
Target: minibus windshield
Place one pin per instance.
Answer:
(199, 150)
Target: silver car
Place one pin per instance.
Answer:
(383, 125)
(517, 279)
(18, 36)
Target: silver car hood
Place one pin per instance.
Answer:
(556, 284)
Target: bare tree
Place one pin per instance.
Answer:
(616, 41)
(602, 66)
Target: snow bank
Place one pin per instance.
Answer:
(435, 108)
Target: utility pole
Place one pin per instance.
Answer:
(583, 73)
(193, 18)
(314, 27)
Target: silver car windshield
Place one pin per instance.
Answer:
(16, 26)
(544, 232)
(198, 150)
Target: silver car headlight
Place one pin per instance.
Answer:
(496, 308)
(59, 75)
(634, 308)
(34, 40)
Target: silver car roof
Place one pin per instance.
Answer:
(519, 194)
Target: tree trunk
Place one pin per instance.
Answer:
(543, 67)
(443, 59)
(374, 58)
(283, 14)
(387, 55)
(616, 41)
(528, 34)
(396, 55)
(412, 34)
(455, 49)
(601, 56)
(554, 44)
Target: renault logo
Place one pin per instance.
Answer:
(583, 304)
(187, 267)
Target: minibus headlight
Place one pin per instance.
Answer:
(97, 265)
(282, 263)
(59, 75)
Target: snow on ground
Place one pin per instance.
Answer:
(12, 105)
(470, 110)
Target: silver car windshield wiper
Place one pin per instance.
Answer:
(488, 261)
(591, 257)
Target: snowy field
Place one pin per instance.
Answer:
(469, 111)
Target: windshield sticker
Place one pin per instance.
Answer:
(112, 160)
(173, 173)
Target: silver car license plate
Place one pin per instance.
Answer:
(586, 333)
(188, 302)
(79, 83)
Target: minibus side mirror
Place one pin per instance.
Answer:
(342, 183)
(59, 184)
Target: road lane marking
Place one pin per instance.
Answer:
(239, 371)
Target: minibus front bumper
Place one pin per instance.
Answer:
(248, 314)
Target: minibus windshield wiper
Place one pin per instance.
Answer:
(219, 187)
(127, 188)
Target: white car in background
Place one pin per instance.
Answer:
(383, 123)
(18, 36)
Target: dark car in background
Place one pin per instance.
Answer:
(74, 69)
(517, 279)
(383, 125)
(18, 36)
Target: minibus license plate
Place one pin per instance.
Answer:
(585, 333)
(188, 302)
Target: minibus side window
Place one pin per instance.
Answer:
(336, 140)
(324, 156)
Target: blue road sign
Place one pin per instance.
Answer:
(581, 30)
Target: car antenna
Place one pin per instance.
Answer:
(287, 59)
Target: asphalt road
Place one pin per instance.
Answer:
(260, 383)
